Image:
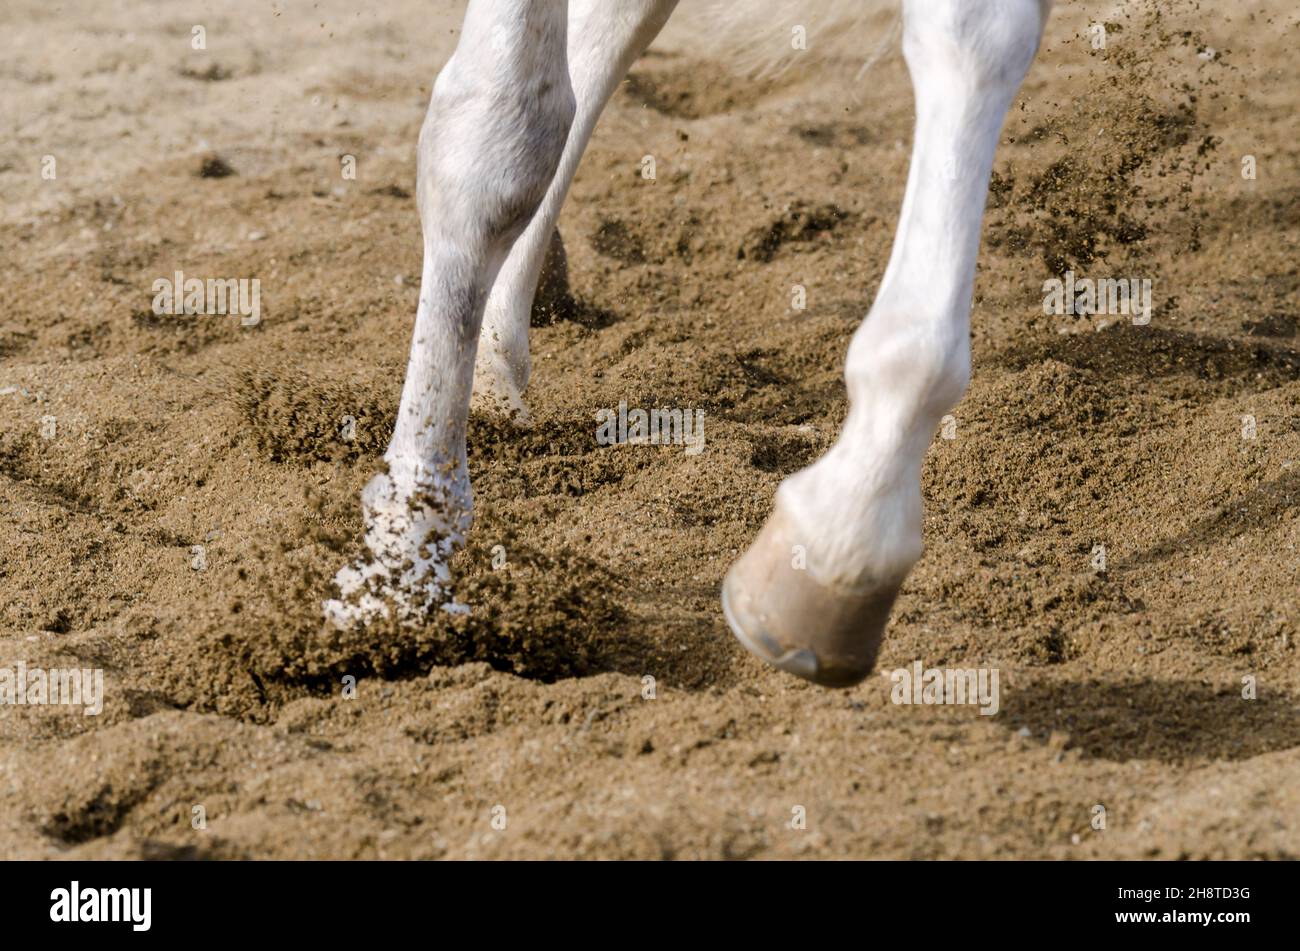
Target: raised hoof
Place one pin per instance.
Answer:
(789, 619)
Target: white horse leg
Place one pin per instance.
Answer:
(605, 36)
(853, 518)
(497, 122)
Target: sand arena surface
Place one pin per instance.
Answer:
(1120, 688)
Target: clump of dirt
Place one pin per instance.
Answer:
(1274, 325)
(1096, 199)
(784, 451)
(834, 134)
(557, 455)
(1193, 366)
(293, 417)
(212, 165)
(800, 222)
(552, 300)
(212, 73)
(1043, 416)
(691, 91)
(653, 238)
(1052, 399)
(616, 240)
(539, 614)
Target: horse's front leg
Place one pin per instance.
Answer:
(813, 593)
(496, 127)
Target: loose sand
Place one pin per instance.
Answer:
(1121, 688)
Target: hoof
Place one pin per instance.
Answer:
(783, 615)
(415, 520)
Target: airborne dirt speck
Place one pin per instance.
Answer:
(182, 524)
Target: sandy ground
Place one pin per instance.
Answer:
(1121, 688)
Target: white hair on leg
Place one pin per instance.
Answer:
(856, 512)
(604, 38)
(496, 126)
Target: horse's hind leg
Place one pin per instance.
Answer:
(496, 127)
(856, 513)
(605, 36)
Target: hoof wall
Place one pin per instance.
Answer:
(786, 617)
